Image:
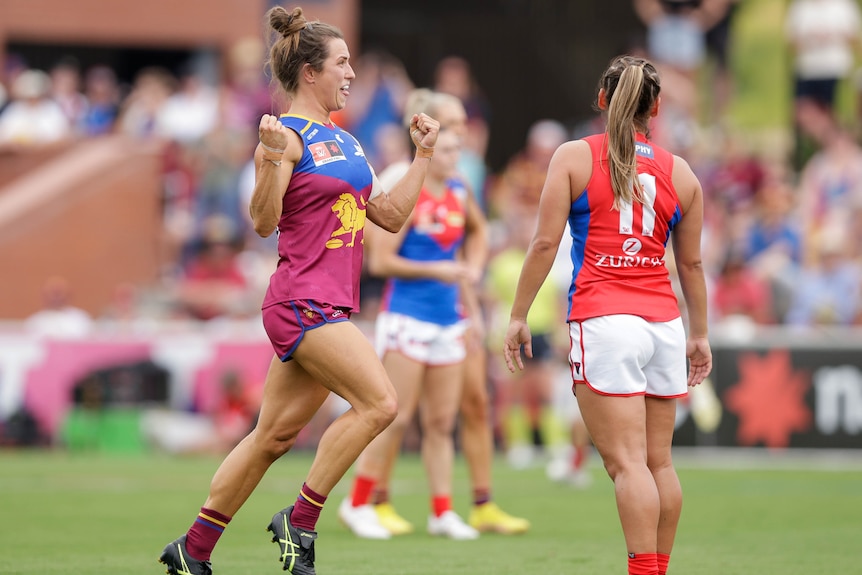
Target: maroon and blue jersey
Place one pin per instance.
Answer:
(436, 232)
(619, 254)
(321, 230)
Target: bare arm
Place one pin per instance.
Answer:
(273, 171)
(568, 174)
(390, 209)
(686, 248)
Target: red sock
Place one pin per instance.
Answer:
(203, 535)
(362, 487)
(307, 509)
(663, 560)
(441, 504)
(643, 564)
(578, 457)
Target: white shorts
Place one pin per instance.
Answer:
(628, 355)
(421, 341)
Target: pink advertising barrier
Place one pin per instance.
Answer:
(40, 373)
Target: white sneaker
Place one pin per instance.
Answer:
(362, 521)
(452, 526)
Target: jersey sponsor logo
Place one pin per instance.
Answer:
(632, 246)
(608, 261)
(336, 313)
(338, 137)
(358, 151)
(577, 365)
(351, 216)
(644, 150)
(326, 152)
(311, 134)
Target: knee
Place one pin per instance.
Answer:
(272, 444)
(439, 424)
(383, 413)
(474, 406)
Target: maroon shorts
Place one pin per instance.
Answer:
(286, 322)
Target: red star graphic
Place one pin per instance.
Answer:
(769, 399)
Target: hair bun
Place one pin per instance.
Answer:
(287, 23)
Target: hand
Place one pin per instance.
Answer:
(450, 272)
(699, 359)
(272, 132)
(517, 334)
(424, 130)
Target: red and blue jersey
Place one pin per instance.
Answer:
(321, 230)
(618, 254)
(436, 232)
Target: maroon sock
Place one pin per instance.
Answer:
(380, 496)
(307, 509)
(481, 496)
(203, 535)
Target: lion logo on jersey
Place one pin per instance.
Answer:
(352, 218)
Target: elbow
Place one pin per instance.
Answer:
(263, 229)
(542, 246)
(392, 225)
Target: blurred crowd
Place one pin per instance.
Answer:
(782, 242)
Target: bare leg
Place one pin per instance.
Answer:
(290, 399)
(441, 395)
(477, 438)
(660, 421)
(618, 426)
(342, 359)
(378, 459)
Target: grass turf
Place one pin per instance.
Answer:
(90, 514)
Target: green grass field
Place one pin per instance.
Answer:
(88, 514)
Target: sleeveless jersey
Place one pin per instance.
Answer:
(618, 255)
(436, 232)
(321, 230)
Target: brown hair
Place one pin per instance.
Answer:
(296, 42)
(631, 88)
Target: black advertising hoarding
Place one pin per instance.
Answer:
(779, 391)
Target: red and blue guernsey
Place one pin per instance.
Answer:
(436, 232)
(321, 230)
(618, 255)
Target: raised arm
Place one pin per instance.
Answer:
(279, 150)
(389, 209)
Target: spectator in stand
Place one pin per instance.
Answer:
(454, 75)
(103, 101)
(772, 245)
(32, 117)
(830, 183)
(827, 289)
(59, 318)
(245, 95)
(213, 285)
(517, 189)
(66, 91)
(740, 295)
(140, 110)
(377, 98)
(824, 36)
(191, 112)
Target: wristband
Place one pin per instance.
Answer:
(273, 150)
